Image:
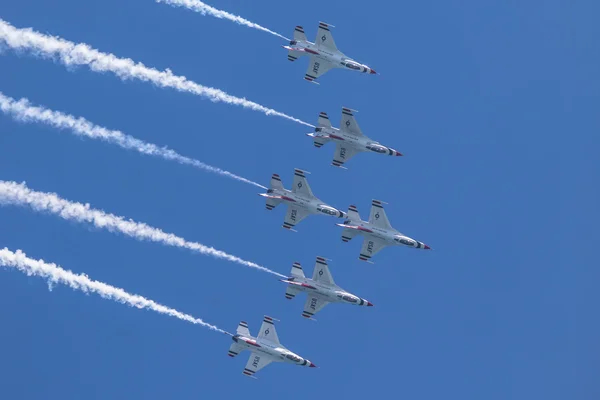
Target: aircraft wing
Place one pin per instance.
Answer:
(378, 216)
(324, 37)
(321, 272)
(257, 362)
(316, 68)
(313, 305)
(370, 247)
(267, 330)
(342, 154)
(349, 124)
(293, 216)
(301, 185)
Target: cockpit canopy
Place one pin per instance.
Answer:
(327, 210)
(377, 148)
(348, 298)
(351, 65)
(293, 357)
(404, 240)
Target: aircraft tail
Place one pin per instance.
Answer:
(275, 184)
(293, 55)
(242, 329)
(299, 33)
(235, 349)
(297, 271)
(353, 214)
(323, 120)
(298, 36)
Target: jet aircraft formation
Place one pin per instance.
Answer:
(301, 202)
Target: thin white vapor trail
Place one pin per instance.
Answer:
(22, 110)
(13, 193)
(69, 53)
(55, 274)
(205, 9)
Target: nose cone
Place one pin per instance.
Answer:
(426, 247)
(398, 154)
(372, 71)
(369, 304)
(312, 365)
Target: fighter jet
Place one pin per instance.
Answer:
(321, 289)
(264, 349)
(378, 232)
(300, 200)
(324, 54)
(349, 139)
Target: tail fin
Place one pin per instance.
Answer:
(299, 33)
(242, 329)
(297, 270)
(353, 214)
(276, 182)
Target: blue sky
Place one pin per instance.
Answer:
(494, 107)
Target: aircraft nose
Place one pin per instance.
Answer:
(426, 247)
(398, 154)
(369, 304)
(372, 71)
(312, 365)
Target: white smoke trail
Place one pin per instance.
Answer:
(20, 195)
(69, 54)
(22, 110)
(205, 9)
(55, 274)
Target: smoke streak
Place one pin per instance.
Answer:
(20, 195)
(22, 110)
(69, 54)
(205, 9)
(55, 274)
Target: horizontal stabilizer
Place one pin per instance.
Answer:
(276, 182)
(299, 34)
(324, 120)
(297, 270)
(235, 349)
(242, 329)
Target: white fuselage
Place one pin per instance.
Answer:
(332, 294)
(360, 143)
(312, 205)
(335, 57)
(391, 236)
(273, 350)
